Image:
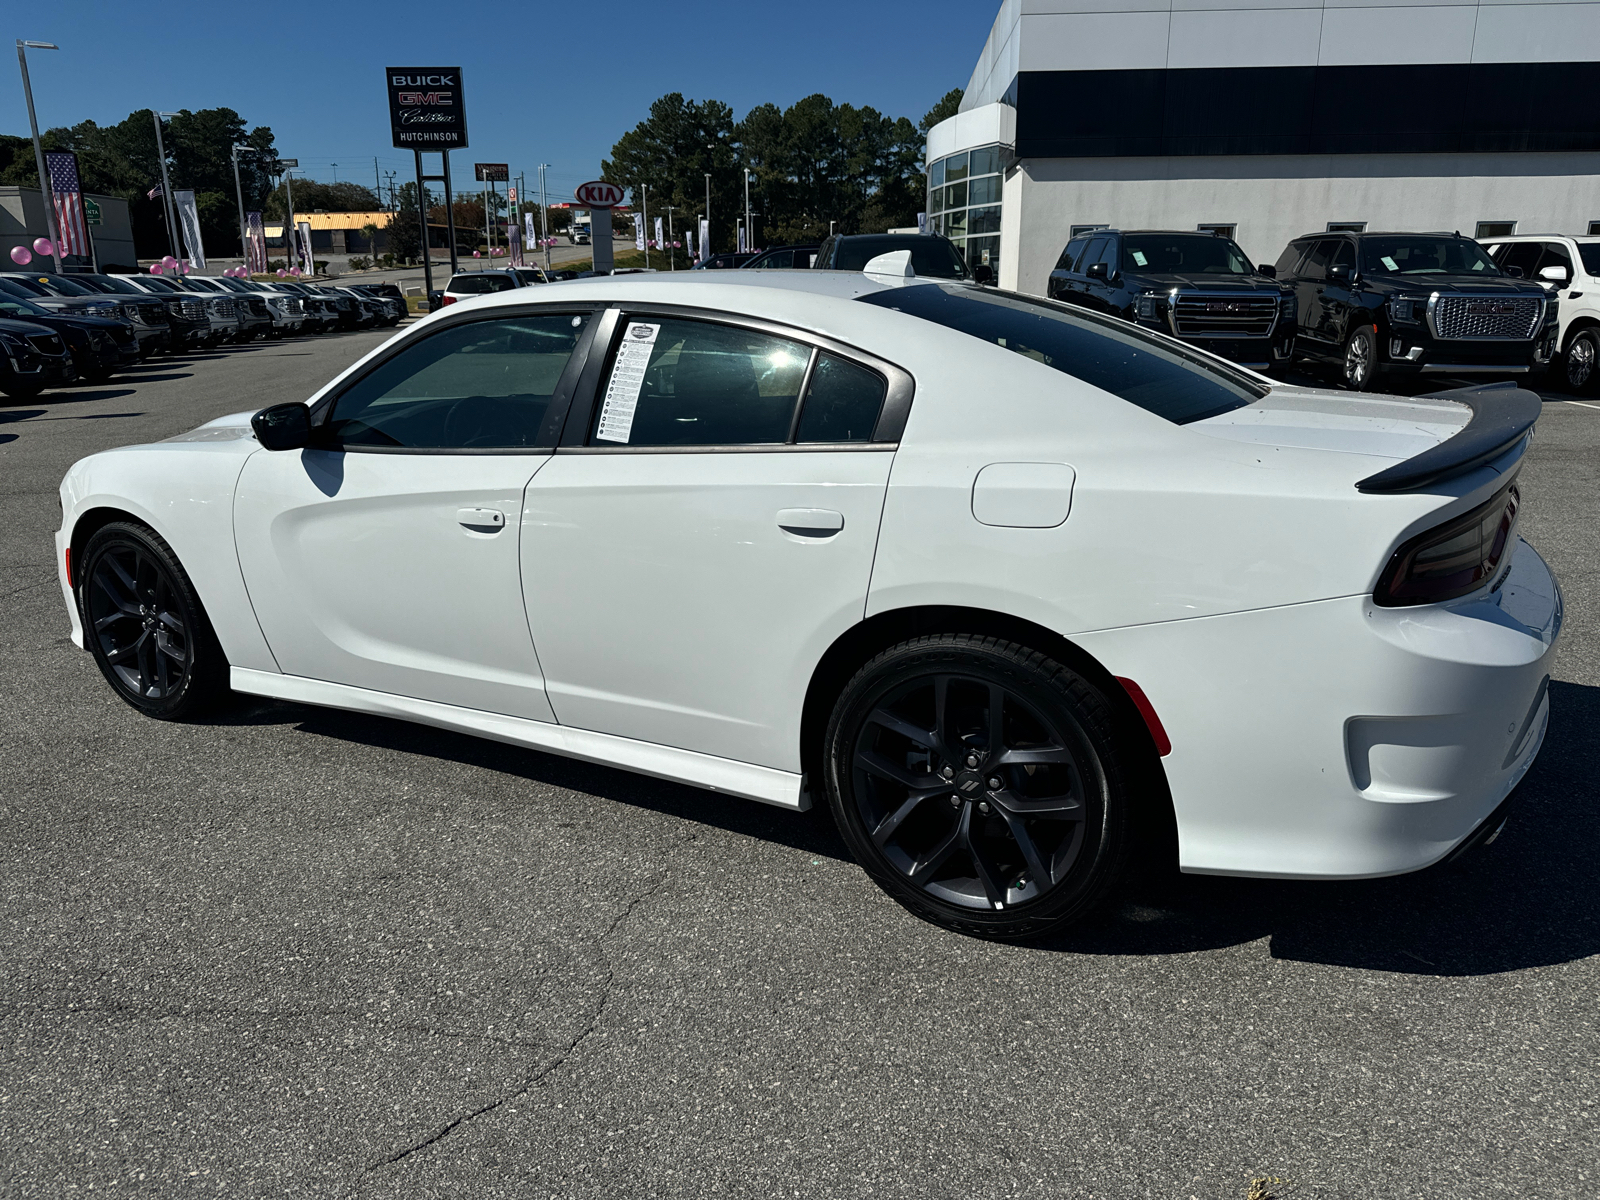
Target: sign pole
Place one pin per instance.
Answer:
(427, 250)
(450, 212)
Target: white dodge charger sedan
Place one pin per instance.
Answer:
(1018, 591)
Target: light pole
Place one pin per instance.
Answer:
(749, 232)
(238, 190)
(166, 185)
(38, 150)
(672, 254)
(644, 215)
(544, 233)
(336, 172)
(705, 242)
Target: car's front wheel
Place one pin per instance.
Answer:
(1582, 360)
(145, 626)
(979, 784)
(1360, 357)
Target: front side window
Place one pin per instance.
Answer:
(1290, 259)
(476, 386)
(1318, 260)
(1183, 254)
(1069, 256)
(1423, 255)
(1157, 375)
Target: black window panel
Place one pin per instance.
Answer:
(1290, 259)
(479, 385)
(986, 160)
(843, 402)
(1344, 255)
(1069, 256)
(1114, 356)
(1315, 264)
(1555, 255)
(1378, 109)
(477, 285)
(1521, 254)
(712, 385)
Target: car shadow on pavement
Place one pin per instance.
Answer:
(811, 832)
(1530, 899)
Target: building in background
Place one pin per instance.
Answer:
(1268, 119)
(23, 220)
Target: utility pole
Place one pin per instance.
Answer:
(288, 222)
(377, 182)
(166, 185)
(749, 231)
(38, 150)
(672, 255)
(644, 215)
(705, 249)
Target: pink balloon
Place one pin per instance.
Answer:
(169, 262)
(477, 254)
(295, 271)
(43, 246)
(156, 268)
(281, 272)
(20, 256)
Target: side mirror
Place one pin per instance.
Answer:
(1097, 271)
(1514, 272)
(1339, 274)
(1555, 273)
(283, 427)
(1267, 269)
(983, 273)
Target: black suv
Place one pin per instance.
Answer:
(1199, 287)
(783, 258)
(933, 256)
(1414, 303)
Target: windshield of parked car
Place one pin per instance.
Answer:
(159, 285)
(1159, 375)
(110, 283)
(61, 287)
(1183, 254)
(1410, 254)
(13, 306)
(931, 257)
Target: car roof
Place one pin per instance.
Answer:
(1585, 238)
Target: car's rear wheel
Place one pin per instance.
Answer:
(145, 625)
(1581, 362)
(1360, 357)
(978, 783)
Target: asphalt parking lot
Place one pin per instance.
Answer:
(297, 952)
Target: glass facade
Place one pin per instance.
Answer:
(964, 203)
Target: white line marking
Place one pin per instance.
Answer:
(1582, 404)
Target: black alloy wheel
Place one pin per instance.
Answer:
(978, 783)
(145, 626)
(1582, 360)
(1360, 357)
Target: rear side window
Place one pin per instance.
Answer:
(1290, 259)
(476, 285)
(843, 402)
(476, 386)
(1316, 263)
(1157, 375)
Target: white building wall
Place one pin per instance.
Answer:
(1273, 199)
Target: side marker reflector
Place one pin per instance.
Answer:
(70, 582)
(1147, 710)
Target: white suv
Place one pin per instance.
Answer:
(1567, 267)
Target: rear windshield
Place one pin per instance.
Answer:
(1160, 376)
(1183, 254)
(475, 285)
(931, 257)
(1414, 255)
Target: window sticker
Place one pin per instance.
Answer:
(627, 381)
(1388, 263)
(1139, 259)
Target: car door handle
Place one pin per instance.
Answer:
(810, 522)
(481, 520)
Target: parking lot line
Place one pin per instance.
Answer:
(1583, 404)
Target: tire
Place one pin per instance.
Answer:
(146, 627)
(1360, 358)
(21, 391)
(97, 376)
(916, 799)
(1580, 365)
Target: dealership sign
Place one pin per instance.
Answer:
(599, 195)
(426, 108)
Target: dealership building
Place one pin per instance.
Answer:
(1268, 119)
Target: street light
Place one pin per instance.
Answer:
(238, 189)
(38, 150)
(749, 233)
(705, 247)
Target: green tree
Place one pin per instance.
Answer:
(405, 232)
(949, 104)
(312, 196)
(672, 152)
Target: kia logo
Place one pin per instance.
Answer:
(599, 195)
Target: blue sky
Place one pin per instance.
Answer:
(552, 83)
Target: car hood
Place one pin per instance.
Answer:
(1204, 283)
(23, 327)
(235, 427)
(1469, 284)
(1392, 428)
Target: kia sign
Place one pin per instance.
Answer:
(426, 108)
(599, 195)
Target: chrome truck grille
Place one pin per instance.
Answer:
(1196, 314)
(1484, 318)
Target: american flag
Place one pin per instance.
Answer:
(63, 169)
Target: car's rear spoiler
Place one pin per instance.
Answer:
(1502, 415)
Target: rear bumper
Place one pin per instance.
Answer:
(1340, 740)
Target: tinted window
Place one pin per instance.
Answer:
(1316, 262)
(986, 161)
(1094, 253)
(1183, 253)
(1112, 355)
(24, 286)
(1520, 254)
(477, 285)
(20, 309)
(1344, 255)
(776, 260)
(690, 383)
(930, 256)
(842, 404)
(1555, 255)
(480, 385)
(984, 191)
(110, 283)
(1423, 255)
(1069, 256)
(1590, 253)
(61, 287)
(1290, 259)
(955, 167)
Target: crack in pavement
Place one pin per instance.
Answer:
(543, 1073)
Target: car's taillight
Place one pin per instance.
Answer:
(1452, 559)
(447, 299)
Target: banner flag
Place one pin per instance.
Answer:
(256, 246)
(661, 237)
(68, 196)
(741, 239)
(531, 232)
(705, 238)
(688, 243)
(638, 232)
(189, 222)
(514, 241)
(307, 263)
(922, 222)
